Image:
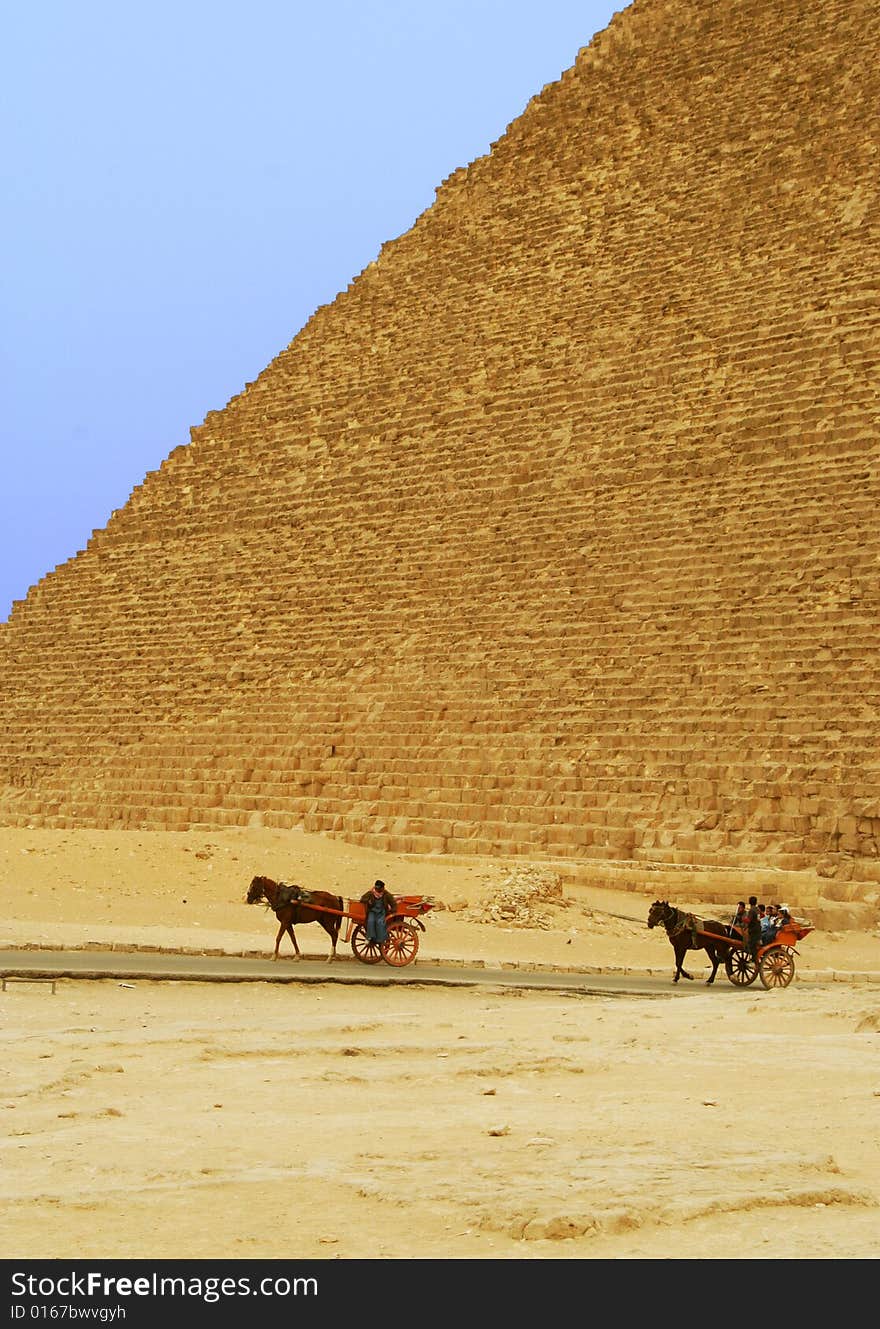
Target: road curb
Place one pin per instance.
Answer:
(866, 977)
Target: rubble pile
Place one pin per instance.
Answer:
(522, 899)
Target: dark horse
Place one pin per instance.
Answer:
(293, 905)
(686, 934)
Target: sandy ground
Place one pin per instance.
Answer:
(162, 1121)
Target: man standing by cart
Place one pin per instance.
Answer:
(378, 904)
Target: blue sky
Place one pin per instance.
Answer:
(185, 181)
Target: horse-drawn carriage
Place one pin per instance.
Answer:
(403, 926)
(293, 905)
(773, 963)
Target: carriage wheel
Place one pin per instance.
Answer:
(368, 952)
(402, 944)
(742, 970)
(776, 967)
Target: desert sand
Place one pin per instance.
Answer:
(214, 1121)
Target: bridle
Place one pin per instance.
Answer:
(671, 918)
(662, 912)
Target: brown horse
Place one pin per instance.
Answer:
(294, 905)
(687, 934)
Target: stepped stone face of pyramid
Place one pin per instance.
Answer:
(557, 533)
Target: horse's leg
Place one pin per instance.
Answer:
(285, 926)
(333, 933)
(714, 954)
(681, 972)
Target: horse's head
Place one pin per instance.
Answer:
(658, 913)
(256, 890)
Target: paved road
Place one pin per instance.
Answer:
(17, 965)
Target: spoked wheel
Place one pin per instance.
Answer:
(402, 944)
(742, 970)
(368, 952)
(776, 967)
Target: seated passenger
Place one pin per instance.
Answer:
(769, 925)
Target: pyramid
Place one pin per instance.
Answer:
(556, 534)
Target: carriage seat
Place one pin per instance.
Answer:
(414, 904)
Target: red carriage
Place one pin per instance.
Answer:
(404, 925)
(775, 960)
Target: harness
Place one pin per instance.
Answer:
(287, 895)
(677, 922)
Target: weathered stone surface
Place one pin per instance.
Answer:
(556, 532)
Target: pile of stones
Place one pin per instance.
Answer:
(523, 899)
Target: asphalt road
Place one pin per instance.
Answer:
(168, 966)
